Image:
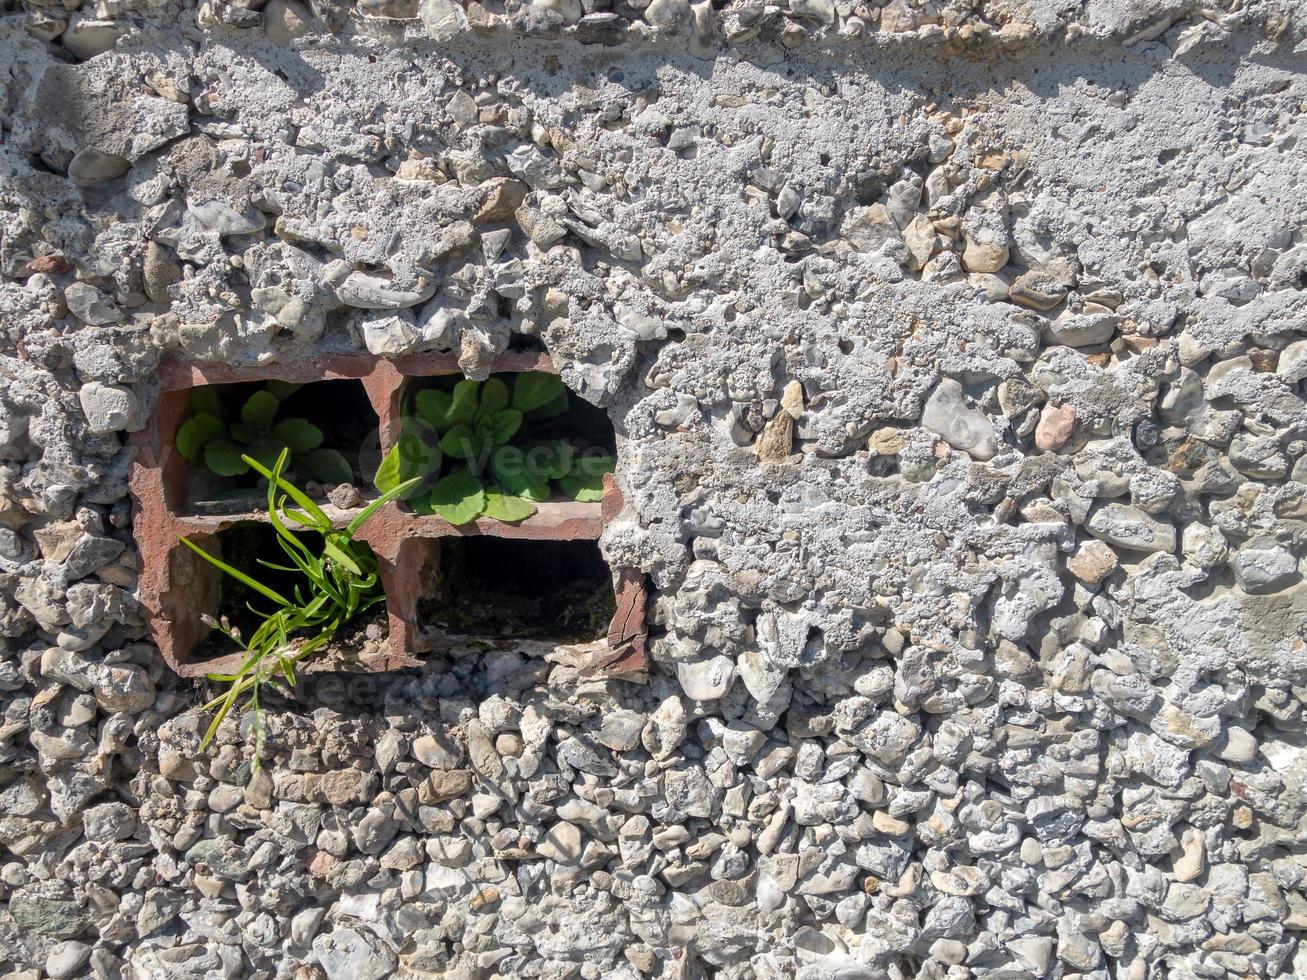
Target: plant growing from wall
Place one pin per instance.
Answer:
(224, 444)
(340, 582)
(476, 443)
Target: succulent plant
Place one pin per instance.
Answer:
(471, 441)
(210, 436)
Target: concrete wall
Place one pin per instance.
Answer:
(956, 353)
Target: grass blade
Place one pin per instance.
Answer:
(338, 555)
(362, 516)
(275, 567)
(294, 492)
(228, 701)
(237, 574)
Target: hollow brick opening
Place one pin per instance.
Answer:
(244, 545)
(585, 429)
(494, 579)
(330, 427)
(505, 588)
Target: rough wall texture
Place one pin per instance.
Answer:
(956, 352)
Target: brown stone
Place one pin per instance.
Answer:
(322, 864)
(541, 228)
(58, 539)
(922, 241)
(443, 785)
(51, 264)
(420, 169)
(503, 196)
(1056, 424)
(159, 271)
(175, 765)
(776, 440)
(641, 957)
(486, 898)
(1092, 562)
(886, 442)
(980, 256)
(792, 400)
(342, 786)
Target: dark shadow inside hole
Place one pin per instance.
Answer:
(488, 587)
(526, 342)
(339, 408)
(582, 423)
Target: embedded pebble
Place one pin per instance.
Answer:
(1037, 290)
(1124, 526)
(1263, 568)
(562, 842)
(66, 959)
(962, 427)
(91, 306)
(108, 408)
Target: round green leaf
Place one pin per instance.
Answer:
(282, 390)
(586, 481)
(205, 399)
(259, 410)
(551, 460)
(463, 405)
(507, 508)
(265, 452)
(459, 497)
(224, 458)
(195, 433)
(505, 425)
(328, 466)
(460, 442)
(588, 489)
(514, 471)
(433, 408)
(591, 463)
(555, 406)
(535, 389)
(411, 456)
(494, 396)
(389, 473)
(300, 435)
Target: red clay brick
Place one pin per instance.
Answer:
(177, 587)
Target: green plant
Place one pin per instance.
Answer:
(225, 445)
(340, 581)
(475, 441)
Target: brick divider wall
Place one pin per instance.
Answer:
(176, 587)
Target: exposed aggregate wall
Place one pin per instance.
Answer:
(957, 354)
